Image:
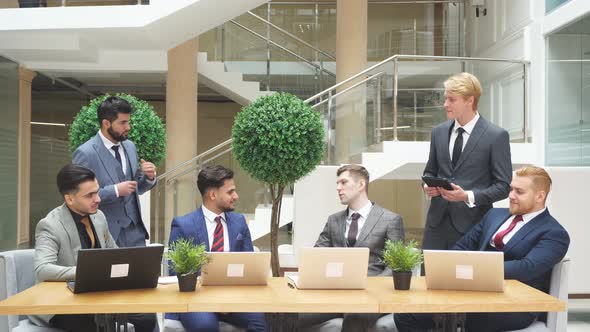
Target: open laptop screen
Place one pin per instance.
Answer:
(464, 270)
(117, 268)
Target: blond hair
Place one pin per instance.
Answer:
(541, 179)
(465, 85)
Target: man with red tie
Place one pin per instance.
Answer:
(214, 225)
(532, 242)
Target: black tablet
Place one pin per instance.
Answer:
(433, 181)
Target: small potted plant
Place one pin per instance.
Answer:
(186, 259)
(401, 259)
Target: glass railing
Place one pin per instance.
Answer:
(402, 99)
(68, 3)
(268, 54)
(398, 99)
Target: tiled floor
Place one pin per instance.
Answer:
(578, 315)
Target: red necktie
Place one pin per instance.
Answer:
(218, 236)
(499, 238)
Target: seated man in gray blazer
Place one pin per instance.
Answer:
(362, 224)
(76, 224)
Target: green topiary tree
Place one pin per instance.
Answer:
(147, 130)
(278, 139)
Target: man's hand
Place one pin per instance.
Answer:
(455, 195)
(126, 188)
(431, 191)
(149, 169)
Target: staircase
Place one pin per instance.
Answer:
(230, 84)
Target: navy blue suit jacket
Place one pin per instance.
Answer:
(532, 251)
(193, 226)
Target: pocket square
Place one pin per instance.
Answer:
(239, 237)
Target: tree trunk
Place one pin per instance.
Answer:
(276, 192)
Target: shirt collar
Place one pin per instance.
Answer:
(529, 216)
(77, 217)
(364, 211)
(106, 141)
(468, 127)
(210, 216)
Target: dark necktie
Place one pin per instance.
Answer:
(117, 154)
(458, 147)
(218, 236)
(354, 229)
(499, 238)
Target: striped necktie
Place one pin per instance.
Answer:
(218, 236)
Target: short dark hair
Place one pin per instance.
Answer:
(111, 107)
(357, 172)
(70, 176)
(213, 177)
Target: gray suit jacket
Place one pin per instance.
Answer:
(485, 167)
(57, 243)
(120, 212)
(381, 225)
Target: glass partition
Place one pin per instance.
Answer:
(9, 81)
(402, 99)
(568, 100)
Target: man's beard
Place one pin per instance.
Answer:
(116, 136)
(227, 209)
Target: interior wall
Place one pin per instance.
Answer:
(406, 198)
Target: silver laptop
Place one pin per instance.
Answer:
(464, 270)
(236, 268)
(331, 268)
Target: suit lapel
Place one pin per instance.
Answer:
(108, 161)
(372, 219)
(200, 229)
(341, 230)
(231, 232)
(443, 142)
(480, 128)
(490, 231)
(131, 159)
(70, 228)
(525, 230)
(101, 237)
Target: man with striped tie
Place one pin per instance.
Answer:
(214, 225)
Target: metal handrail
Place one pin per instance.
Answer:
(193, 159)
(284, 49)
(330, 56)
(410, 57)
(331, 95)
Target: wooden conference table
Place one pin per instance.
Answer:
(278, 297)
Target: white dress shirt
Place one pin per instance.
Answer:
(108, 144)
(525, 219)
(211, 224)
(364, 212)
(468, 127)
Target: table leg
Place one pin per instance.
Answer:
(121, 321)
(104, 322)
(281, 322)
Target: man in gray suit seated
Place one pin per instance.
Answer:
(114, 160)
(362, 224)
(76, 224)
(474, 154)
